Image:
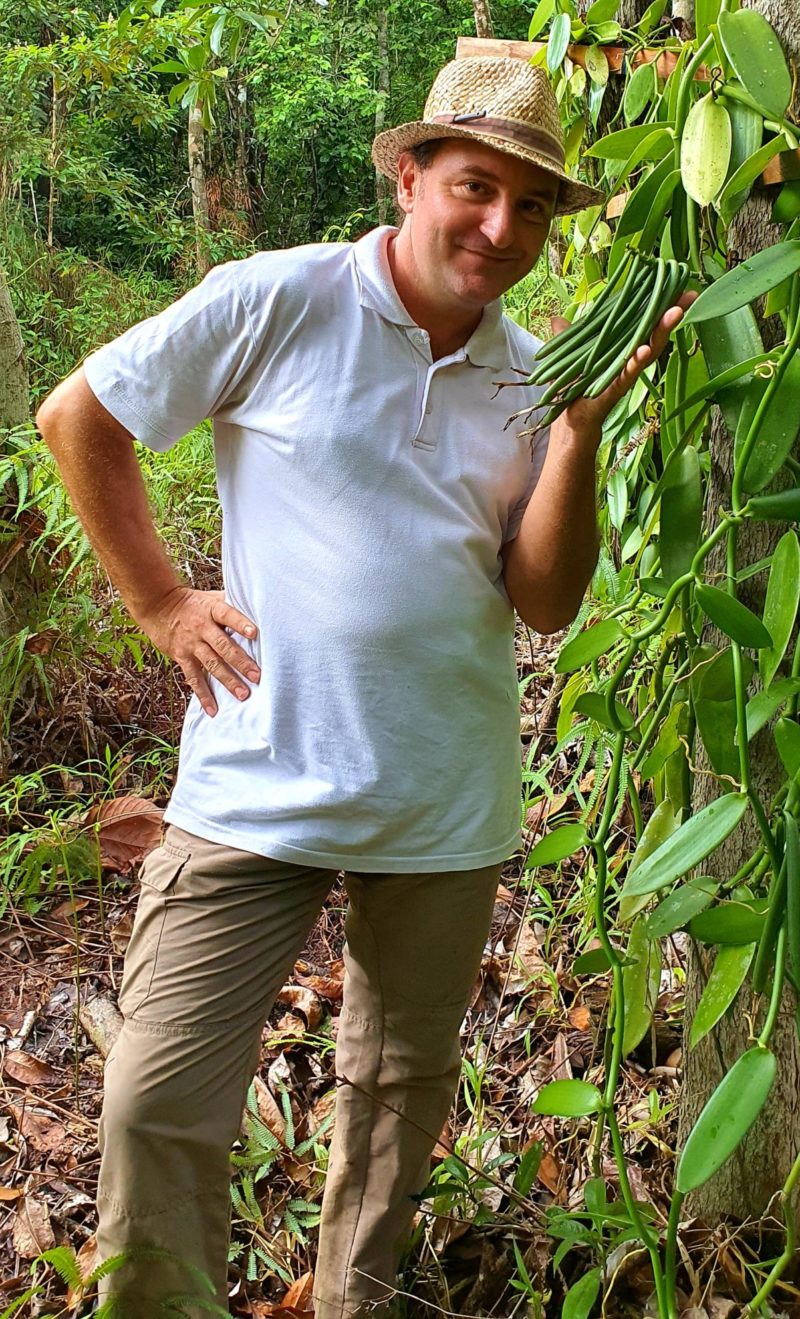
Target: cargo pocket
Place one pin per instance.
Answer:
(158, 876)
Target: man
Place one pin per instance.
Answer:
(355, 702)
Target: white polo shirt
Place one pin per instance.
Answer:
(366, 492)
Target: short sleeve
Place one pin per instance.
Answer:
(166, 374)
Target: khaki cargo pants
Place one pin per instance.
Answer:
(216, 935)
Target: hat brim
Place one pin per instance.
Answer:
(389, 146)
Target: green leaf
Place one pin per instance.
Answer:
(601, 11)
(781, 507)
(672, 729)
(734, 922)
(662, 825)
(596, 65)
(740, 182)
(705, 13)
(765, 705)
(618, 146)
(726, 1118)
(746, 282)
(678, 908)
(525, 1175)
(568, 1099)
(747, 130)
(541, 17)
(588, 645)
(652, 16)
(215, 40)
(593, 704)
(756, 57)
(579, 1300)
(641, 979)
(787, 739)
(727, 976)
(557, 846)
(726, 341)
(732, 617)
(591, 963)
(639, 91)
(696, 839)
(170, 66)
(558, 42)
(640, 201)
(714, 701)
(786, 206)
(607, 32)
(777, 430)
(681, 515)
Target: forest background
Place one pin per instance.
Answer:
(136, 150)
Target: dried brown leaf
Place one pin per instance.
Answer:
(10, 1193)
(550, 1173)
(303, 1000)
(44, 1133)
(26, 1069)
(128, 828)
(32, 1231)
(66, 910)
(121, 933)
(580, 1017)
(87, 1260)
(268, 1110)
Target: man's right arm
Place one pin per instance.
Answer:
(97, 461)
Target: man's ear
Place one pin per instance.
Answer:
(408, 181)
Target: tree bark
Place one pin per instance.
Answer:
(744, 1185)
(17, 584)
(483, 18)
(197, 179)
(13, 373)
(383, 191)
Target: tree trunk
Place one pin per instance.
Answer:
(17, 584)
(13, 375)
(197, 179)
(383, 190)
(483, 18)
(744, 1185)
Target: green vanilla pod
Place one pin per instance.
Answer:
(606, 335)
(639, 335)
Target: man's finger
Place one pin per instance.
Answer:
(227, 616)
(233, 655)
(193, 672)
(214, 664)
(558, 324)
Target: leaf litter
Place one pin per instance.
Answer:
(531, 1020)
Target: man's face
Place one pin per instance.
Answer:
(478, 220)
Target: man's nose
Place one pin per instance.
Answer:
(498, 222)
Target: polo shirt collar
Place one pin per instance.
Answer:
(487, 346)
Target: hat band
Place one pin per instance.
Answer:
(510, 130)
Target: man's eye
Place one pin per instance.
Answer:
(473, 185)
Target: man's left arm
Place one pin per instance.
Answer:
(549, 564)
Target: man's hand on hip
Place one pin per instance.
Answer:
(190, 627)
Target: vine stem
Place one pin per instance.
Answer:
(789, 350)
(672, 1254)
(607, 1115)
(786, 1258)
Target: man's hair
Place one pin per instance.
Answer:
(424, 152)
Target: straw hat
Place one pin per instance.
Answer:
(506, 103)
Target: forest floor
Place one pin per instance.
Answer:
(510, 1188)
